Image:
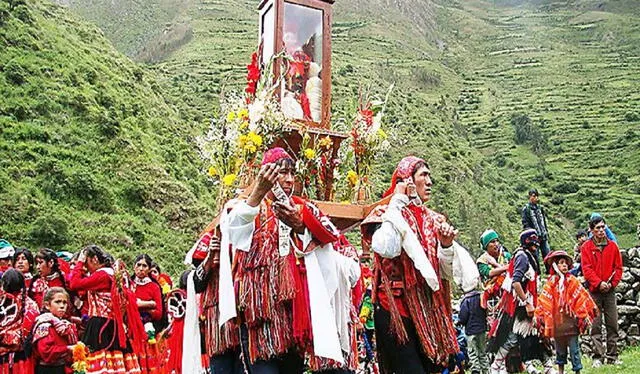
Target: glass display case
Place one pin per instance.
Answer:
(301, 29)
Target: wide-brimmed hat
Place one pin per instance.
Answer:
(556, 255)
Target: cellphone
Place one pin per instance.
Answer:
(279, 193)
(414, 194)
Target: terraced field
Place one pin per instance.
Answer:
(576, 75)
(462, 70)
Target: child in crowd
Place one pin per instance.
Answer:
(53, 336)
(565, 310)
(474, 319)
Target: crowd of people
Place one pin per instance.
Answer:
(274, 287)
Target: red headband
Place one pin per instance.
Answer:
(403, 171)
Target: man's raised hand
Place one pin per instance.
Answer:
(446, 234)
(267, 176)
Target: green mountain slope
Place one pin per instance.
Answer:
(366, 51)
(140, 29)
(452, 111)
(89, 150)
(574, 70)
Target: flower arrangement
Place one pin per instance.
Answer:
(315, 165)
(79, 355)
(368, 141)
(248, 123)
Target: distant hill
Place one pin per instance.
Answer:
(468, 74)
(499, 96)
(89, 150)
(571, 72)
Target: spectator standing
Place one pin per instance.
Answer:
(610, 235)
(564, 311)
(602, 268)
(474, 319)
(492, 265)
(533, 217)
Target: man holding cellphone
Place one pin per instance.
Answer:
(286, 266)
(414, 253)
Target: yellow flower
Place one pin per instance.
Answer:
(244, 125)
(325, 142)
(309, 153)
(382, 134)
(79, 366)
(231, 116)
(352, 177)
(243, 113)
(242, 140)
(166, 288)
(212, 171)
(228, 179)
(255, 138)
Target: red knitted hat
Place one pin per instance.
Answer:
(274, 155)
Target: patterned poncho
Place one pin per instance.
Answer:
(562, 298)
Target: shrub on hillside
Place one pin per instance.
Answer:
(51, 230)
(427, 78)
(528, 132)
(631, 117)
(624, 223)
(566, 187)
(16, 72)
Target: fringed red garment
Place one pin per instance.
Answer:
(265, 290)
(136, 334)
(429, 311)
(174, 346)
(218, 340)
(556, 305)
(302, 333)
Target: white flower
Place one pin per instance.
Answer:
(377, 122)
(256, 113)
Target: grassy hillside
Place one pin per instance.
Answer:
(141, 29)
(366, 51)
(574, 71)
(89, 150)
(498, 96)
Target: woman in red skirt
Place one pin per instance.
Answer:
(105, 334)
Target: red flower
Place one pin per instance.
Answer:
(253, 75)
(367, 115)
